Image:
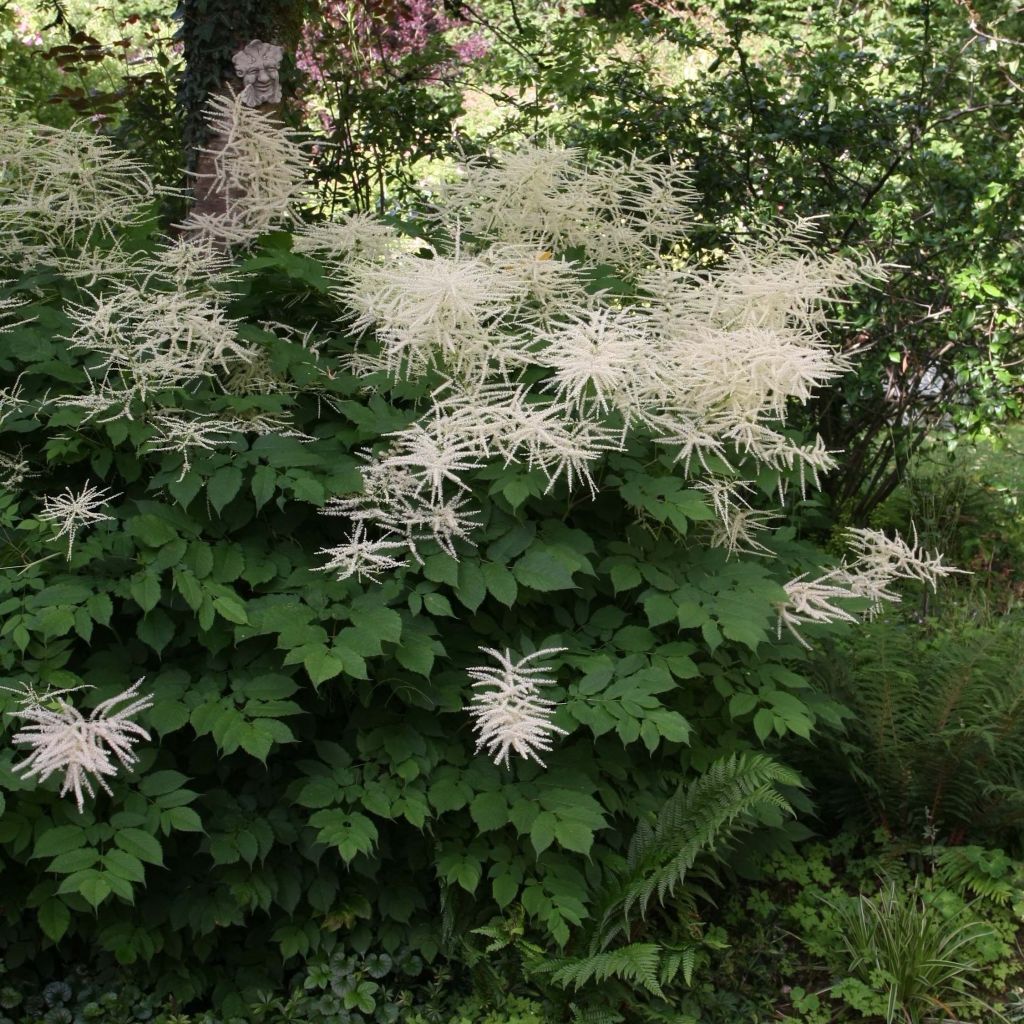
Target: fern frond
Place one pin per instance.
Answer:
(989, 874)
(637, 964)
(678, 959)
(937, 720)
(700, 820)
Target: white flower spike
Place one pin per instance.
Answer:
(64, 740)
(73, 511)
(510, 714)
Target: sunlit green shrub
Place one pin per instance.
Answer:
(177, 416)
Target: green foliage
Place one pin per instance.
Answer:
(964, 502)
(369, 989)
(935, 738)
(911, 951)
(698, 821)
(974, 870)
(514, 1010)
(784, 940)
(312, 787)
(671, 857)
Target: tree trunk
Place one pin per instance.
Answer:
(212, 32)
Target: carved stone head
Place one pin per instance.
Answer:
(257, 66)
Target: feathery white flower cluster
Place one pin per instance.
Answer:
(13, 470)
(7, 306)
(257, 169)
(163, 329)
(75, 511)
(64, 740)
(356, 238)
(878, 562)
(510, 714)
(618, 212)
(65, 186)
(150, 340)
(543, 371)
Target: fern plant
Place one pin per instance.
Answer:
(934, 740)
(976, 871)
(669, 858)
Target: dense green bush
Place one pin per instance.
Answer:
(311, 788)
(965, 502)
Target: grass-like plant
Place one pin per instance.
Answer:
(902, 945)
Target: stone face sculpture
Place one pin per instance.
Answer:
(257, 65)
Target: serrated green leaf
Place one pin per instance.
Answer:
(572, 836)
(140, 844)
(145, 590)
(231, 608)
(54, 917)
(322, 665)
(264, 483)
(489, 811)
(59, 840)
(95, 890)
(223, 486)
(542, 831)
(500, 582)
(124, 865)
(158, 783)
(73, 860)
(181, 819)
(545, 570)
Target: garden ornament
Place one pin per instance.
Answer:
(257, 65)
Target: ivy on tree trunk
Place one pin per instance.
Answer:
(211, 31)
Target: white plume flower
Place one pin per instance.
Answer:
(356, 237)
(524, 196)
(550, 286)
(102, 399)
(509, 714)
(596, 358)
(736, 532)
(361, 557)
(726, 495)
(7, 307)
(814, 601)
(256, 166)
(690, 436)
(618, 211)
(895, 558)
(441, 312)
(400, 499)
(434, 452)
(152, 340)
(75, 511)
(65, 187)
(187, 264)
(186, 433)
(12, 401)
(83, 748)
(879, 561)
(14, 469)
(540, 435)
